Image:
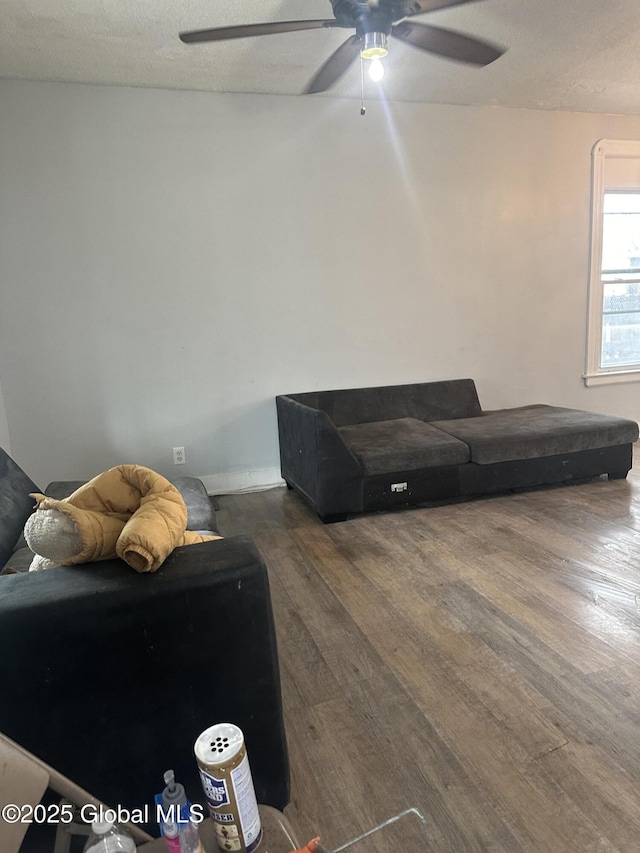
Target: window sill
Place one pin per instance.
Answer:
(611, 377)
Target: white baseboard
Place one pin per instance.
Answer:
(242, 481)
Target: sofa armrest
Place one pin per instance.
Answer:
(315, 459)
(111, 675)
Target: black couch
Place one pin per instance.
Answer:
(364, 449)
(109, 675)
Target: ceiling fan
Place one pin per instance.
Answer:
(373, 21)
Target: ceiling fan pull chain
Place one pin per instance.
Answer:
(362, 106)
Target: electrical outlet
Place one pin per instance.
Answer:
(178, 456)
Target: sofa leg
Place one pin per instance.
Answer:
(618, 475)
(333, 517)
(289, 486)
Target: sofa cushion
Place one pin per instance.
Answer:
(530, 432)
(405, 444)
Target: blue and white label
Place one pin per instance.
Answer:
(215, 790)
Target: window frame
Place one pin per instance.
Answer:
(606, 150)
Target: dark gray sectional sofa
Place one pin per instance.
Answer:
(364, 449)
(110, 675)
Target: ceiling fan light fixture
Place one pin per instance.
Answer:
(375, 45)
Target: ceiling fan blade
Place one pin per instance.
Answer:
(419, 7)
(246, 30)
(335, 66)
(447, 43)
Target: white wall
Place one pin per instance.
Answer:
(170, 261)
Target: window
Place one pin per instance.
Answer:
(613, 347)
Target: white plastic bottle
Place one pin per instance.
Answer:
(107, 837)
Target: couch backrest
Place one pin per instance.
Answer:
(427, 401)
(15, 504)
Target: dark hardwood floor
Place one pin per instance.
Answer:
(479, 662)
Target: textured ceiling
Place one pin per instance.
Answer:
(562, 54)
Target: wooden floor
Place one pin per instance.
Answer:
(479, 662)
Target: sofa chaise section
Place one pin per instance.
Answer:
(365, 449)
(532, 432)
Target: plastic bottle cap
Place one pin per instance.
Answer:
(102, 826)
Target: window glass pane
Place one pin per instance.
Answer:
(621, 231)
(621, 326)
(621, 280)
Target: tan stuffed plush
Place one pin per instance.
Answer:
(129, 512)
